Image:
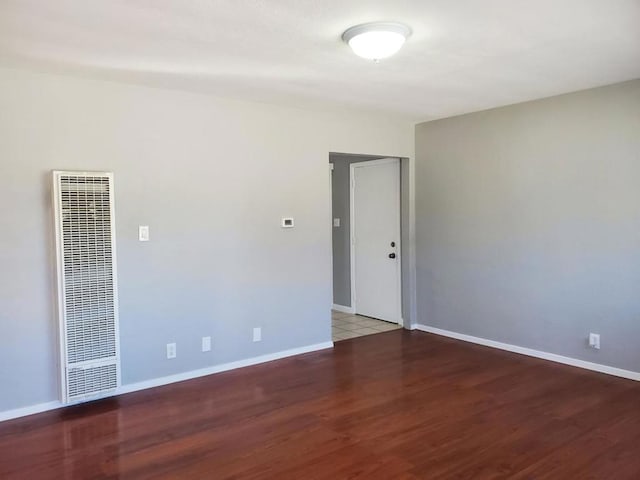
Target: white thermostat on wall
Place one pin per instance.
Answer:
(287, 222)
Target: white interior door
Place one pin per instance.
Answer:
(375, 239)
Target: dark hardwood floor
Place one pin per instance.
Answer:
(396, 405)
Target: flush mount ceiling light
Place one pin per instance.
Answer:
(376, 40)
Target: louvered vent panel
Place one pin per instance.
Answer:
(88, 307)
(91, 380)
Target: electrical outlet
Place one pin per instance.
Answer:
(171, 350)
(594, 341)
(206, 344)
(257, 334)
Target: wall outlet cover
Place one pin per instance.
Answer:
(206, 344)
(171, 350)
(257, 334)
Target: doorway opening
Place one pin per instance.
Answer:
(367, 244)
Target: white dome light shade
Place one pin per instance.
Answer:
(376, 40)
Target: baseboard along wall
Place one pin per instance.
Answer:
(343, 309)
(179, 377)
(574, 362)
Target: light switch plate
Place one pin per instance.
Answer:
(143, 233)
(206, 344)
(336, 222)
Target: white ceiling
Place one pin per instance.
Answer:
(464, 55)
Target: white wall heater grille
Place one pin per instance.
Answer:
(87, 287)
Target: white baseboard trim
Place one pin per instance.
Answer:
(574, 362)
(343, 309)
(30, 410)
(178, 377)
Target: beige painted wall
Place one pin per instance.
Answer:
(211, 178)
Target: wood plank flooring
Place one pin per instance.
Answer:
(396, 405)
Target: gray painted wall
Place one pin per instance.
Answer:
(211, 178)
(340, 239)
(528, 224)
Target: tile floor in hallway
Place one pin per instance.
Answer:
(346, 325)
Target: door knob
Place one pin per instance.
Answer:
(392, 255)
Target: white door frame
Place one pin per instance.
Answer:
(352, 245)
